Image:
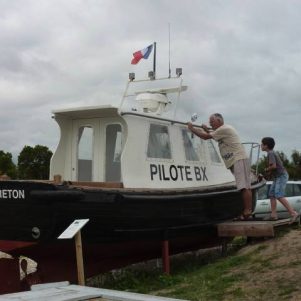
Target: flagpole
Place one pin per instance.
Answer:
(154, 66)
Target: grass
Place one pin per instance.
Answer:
(209, 276)
(193, 277)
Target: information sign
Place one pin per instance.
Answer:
(73, 228)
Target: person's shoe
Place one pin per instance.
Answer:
(294, 218)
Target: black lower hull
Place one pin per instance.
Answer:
(125, 226)
(57, 261)
(45, 210)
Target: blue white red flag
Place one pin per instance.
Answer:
(144, 53)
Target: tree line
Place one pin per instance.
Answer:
(33, 163)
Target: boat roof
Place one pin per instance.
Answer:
(107, 111)
(88, 112)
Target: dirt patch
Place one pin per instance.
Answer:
(273, 271)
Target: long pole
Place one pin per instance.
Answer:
(154, 66)
(169, 70)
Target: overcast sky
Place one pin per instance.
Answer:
(240, 58)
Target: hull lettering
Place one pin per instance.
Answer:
(177, 173)
(12, 194)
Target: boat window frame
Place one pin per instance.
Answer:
(213, 146)
(202, 156)
(161, 159)
(79, 136)
(122, 141)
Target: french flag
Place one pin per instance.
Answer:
(144, 53)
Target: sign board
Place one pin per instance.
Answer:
(73, 228)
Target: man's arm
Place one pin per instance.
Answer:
(199, 132)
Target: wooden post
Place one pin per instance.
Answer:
(165, 257)
(75, 230)
(79, 259)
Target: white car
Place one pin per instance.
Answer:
(292, 194)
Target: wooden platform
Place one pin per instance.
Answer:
(63, 291)
(250, 228)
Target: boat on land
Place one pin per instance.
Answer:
(137, 174)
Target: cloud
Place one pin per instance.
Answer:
(239, 58)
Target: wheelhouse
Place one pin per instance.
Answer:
(140, 144)
(136, 150)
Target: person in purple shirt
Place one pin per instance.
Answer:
(280, 177)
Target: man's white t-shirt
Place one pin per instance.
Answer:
(229, 144)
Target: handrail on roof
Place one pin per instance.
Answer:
(254, 145)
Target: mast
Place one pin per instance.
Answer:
(154, 62)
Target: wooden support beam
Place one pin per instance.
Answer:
(79, 259)
(250, 228)
(224, 246)
(245, 229)
(165, 257)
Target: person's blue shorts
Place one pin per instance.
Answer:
(277, 189)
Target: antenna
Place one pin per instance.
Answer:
(169, 70)
(154, 62)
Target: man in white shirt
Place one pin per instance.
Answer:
(233, 154)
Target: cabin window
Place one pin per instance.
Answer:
(85, 153)
(214, 156)
(113, 152)
(190, 146)
(158, 142)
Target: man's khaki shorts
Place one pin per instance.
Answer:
(242, 173)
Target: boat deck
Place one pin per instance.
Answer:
(63, 291)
